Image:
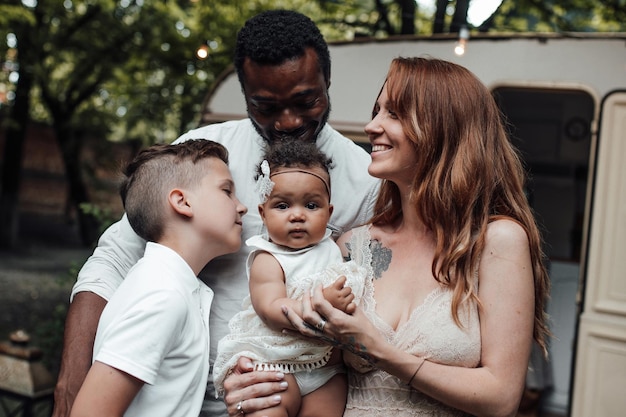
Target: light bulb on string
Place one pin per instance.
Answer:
(461, 43)
(202, 52)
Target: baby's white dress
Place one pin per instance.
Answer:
(269, 349)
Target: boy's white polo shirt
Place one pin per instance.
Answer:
(155, 328)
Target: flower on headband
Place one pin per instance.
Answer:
(264, 185)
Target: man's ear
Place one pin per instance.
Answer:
(177, 199)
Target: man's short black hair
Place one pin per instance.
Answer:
(276, 36)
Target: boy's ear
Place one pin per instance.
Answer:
(179, 203)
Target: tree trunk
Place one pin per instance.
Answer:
(71, 147)
(383, 19)
(408, 8)
(440, 16)
(12, 162)
(460, 16)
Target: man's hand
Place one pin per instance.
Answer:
(252, 390)
(80, 332)
(339, 296)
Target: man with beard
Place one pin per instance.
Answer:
(283, 65)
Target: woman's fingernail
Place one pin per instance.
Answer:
(280, 375)
(276, 399)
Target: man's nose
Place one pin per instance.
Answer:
(288, 121)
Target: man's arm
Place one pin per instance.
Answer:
(254, 390)
(80, 331)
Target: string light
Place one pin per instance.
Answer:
(202, 52)
(461, 44)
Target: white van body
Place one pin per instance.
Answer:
(565, 98)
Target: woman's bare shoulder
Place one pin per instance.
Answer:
(506, 235)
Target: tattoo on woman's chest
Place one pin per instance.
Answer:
(381, 258)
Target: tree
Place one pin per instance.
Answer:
(15, 132)
(557, 16)
(448, 16)
(67, 52)
(127, 70)
(116, 70)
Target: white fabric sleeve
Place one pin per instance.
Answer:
(139, 338)
(119, 248)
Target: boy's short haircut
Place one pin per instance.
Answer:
(154, 172)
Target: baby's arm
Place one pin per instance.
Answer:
(339, 296)
(268, 292)
(107, 391)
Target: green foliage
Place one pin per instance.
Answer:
(105, 66)
(103, 215)
(127, 70)
(559, 16)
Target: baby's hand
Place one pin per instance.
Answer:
(339, 296)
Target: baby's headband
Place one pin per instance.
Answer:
(265, 185)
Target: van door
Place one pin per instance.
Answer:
(552, 129)
(600, 367)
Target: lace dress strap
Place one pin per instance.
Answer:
(360, 248)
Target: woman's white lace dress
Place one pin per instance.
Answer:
(430, 333)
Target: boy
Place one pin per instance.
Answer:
(151, 352)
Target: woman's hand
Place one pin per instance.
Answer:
(247, 391)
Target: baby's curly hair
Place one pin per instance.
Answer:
(276, 36)
(292, 153)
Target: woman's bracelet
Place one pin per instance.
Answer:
(416, 371)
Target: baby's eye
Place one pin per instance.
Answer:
(311, 206)
(282, 206)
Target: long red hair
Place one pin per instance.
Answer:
(467, 174)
